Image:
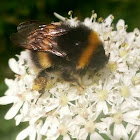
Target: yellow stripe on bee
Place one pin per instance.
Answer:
(93, 42)
(44, 59)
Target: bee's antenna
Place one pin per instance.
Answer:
(59, 16)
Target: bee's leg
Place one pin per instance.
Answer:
(44, 72)
(41, 79)
(70, 78)
(41, 93)
(40, 82)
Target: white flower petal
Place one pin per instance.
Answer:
(83, 134)
(13, 111)
(95, 136)
(101, 126)
(25, 108)
(50, 121)
(108, 20)
(45, 126)
(135, 121)
(120, 132)
(132, 114)
(13, 65)
(23, 134)
(129, 128)
(137, 137)
(39, 136)
(102, 106)
(18, 119)
(32, 135)
(64, 111)
(74, 131)
(52, 107)
(120, 24)
(8, 82)
(79, 120)
(8, 100)
(108, 120)
(66, 137)
(132, 117)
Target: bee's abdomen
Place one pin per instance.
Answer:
(89, 50)
(41, 59)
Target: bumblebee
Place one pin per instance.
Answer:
(62, 47)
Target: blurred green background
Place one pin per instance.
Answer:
(12, 12)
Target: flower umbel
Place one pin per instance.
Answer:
(109, 98)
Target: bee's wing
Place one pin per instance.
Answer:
(39, 37)
(24, 29)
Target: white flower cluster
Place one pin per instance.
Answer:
(106, 106)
